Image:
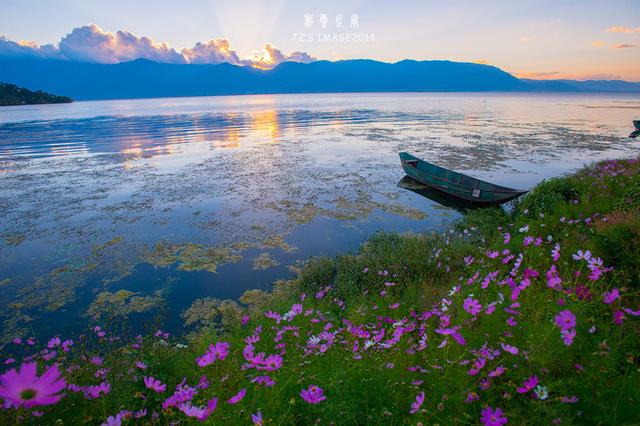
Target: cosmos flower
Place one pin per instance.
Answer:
(257, 418)
(511, 349)
(565, 320)
(472, 306)
(313, 395)
(237, 397)
(24, 388)
(491, 417)
(154, 384)
(415, 406)
(220, 350)
(528, 384)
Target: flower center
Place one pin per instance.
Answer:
(27, 394)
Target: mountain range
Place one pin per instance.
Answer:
(146, 79)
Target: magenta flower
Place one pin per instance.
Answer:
(565, 320)
(511, 349)
(313, 395)
(568, 335)
(25, 389)
(528, 384)
(491, 417)
(415, 406)
(96, 391)
(257, 418)
(154, 384)
(218, 351)
(237, 397)
(199, 413)
(472, 306)
(610, 296)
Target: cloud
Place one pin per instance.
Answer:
(211, 52)
(538, 75)
(621, 29)
(90, 43)
(622, 46)
(271, 56)
(526, 39)
(598, 43)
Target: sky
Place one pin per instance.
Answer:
(536, 39)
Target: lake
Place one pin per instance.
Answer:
(137, 208)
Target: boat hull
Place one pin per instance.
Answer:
(456, 184)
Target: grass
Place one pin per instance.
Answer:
(376, 329)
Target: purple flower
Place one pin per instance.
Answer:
(313, 395)
(264, 380)
(491, 417)
(237, 397)
(472, 306)
(528, 384)
(565, 320)
(24, 388)
(610, 296)
(555, 253)
(415, 406)
(199, 413)
(154, 384)
(218, 351)
(257, 418)
(568, 335)
(96, 391)
(511, 349)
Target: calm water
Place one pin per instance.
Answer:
(175, 200)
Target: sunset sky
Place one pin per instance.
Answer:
(536, 39)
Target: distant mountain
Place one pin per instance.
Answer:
(144, 79)
(10, 94)
(583, 86)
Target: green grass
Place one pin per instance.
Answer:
(594, 209)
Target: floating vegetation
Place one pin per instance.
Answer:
(5, 282)
(14, 240)
(191, 256)
(264, 261)
(122, 303)
(196, 257)
(277, 241)
(112, 242)
(208, 311)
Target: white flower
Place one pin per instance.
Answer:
(541, 392)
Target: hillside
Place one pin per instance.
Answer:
(11, 94)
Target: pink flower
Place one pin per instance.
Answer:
(565, 320)
(237, 397)
(472, 306)
(141, 365)
(610, 296)
(568, 335)
(257, 418)
(553, 280)
(491, 417)
(218, 351)
(154, 384)
(24, 388)
(113, 420)
(618, 317)
(507, 238)
(264, 380)
(511, 349)
(313, 395)
(528, 384)
(96, 391)
(415, 406)
(199, 413)
(555, 253)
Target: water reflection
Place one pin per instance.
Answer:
(439, 197)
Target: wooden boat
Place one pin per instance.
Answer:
(436, 195)
(636, 132)
(457, 184)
